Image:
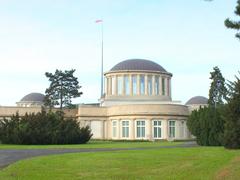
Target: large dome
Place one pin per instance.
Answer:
(197, 100)
(33, 97)
(138, 64)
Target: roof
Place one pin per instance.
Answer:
(138, 64)
(33, 97)
(197, 100)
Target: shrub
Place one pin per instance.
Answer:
(43, 128)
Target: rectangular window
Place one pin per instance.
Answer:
(149, 80)
(127, 88)
(157, 85)
(134, 84)
(114, 129)
(157, 129)
(163, 86)
(120, 85)
(171, 129)
(113, 85)
(140, 129)
(125, 129)
(142, 84)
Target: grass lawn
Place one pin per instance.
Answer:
(178, 163)
(95, 144)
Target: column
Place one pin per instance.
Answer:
(123, 85)
(119, 129)
(146, 84)
(132, 129)
(116, 85)
(110, 85)
(166, 87)
(150, 136)
(160, 85)
(170, 88)
(130, 85)
(153, 85)
(138, 84)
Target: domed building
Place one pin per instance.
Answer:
(31, 100)
(137, 105)
(196, 102)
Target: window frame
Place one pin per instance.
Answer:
(157, 126)
(141, 128)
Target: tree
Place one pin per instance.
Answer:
(234, 24)
(207, 123)
(232, 117)
(63, 87)
(218, 90)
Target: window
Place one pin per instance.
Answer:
(157, 85)
(127, 88)
(113, 85)
(114, 129)
(149, 80)
(142, 84)
(157, 129)
(134, 84)
(140, 129)
(120, 85)
(181, 129)
(171, 129)
(163, 86)
(125, 129)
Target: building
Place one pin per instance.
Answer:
(137, 105)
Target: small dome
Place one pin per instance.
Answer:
(33, 97)
(138, 64)
(197, 100)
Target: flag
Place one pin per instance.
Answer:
(98, 21)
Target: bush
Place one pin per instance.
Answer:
(207, 124)
(43, 128)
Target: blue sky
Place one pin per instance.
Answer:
(186, 37)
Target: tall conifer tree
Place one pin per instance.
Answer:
(232, 117)
(234, 24)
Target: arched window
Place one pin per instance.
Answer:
(113, 85)
(134, 84)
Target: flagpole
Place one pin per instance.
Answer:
(102, 64)
(101, 21)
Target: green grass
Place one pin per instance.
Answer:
(95, 144)
(178, 163)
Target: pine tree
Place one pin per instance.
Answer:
(232, 117)
(63, 87)
(218, 90)
(234, 24)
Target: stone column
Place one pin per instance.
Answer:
(118, 129)
(116, 85)
(160, 85)
(138, 84)
(130, 85)
(150, 135)
(166, 87)
(123, 85)
(146, 84)
(132, 129)
(153, 85)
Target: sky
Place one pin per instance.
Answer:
(188, 38)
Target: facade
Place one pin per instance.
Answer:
(137, 105)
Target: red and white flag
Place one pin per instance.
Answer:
(98, 21)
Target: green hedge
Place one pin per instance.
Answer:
(43, 128)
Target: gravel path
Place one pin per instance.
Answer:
(8, 156)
